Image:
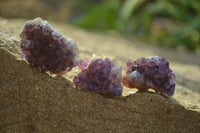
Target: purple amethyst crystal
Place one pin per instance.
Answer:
(152, 72)
(99, 75)
(46, 48)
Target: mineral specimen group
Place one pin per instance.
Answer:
(152, 72)
(99, 75)
(46, 48)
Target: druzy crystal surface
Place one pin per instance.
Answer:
(46, 48)
(99, 75)
(152, 72)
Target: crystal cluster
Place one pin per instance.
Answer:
(152, 72)
(46, 48)
(99, 75)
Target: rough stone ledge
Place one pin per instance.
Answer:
(31, 101)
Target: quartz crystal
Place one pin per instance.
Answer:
(46, 48)
(99, 75)
(152, 72)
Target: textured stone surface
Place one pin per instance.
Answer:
(34, 102)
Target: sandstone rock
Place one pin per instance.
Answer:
(31, 101)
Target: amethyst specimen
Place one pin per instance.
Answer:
(99, 75)
(46, 48)
(152, 72)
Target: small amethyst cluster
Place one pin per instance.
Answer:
(153, 72)
(99, 75)
(46, 48)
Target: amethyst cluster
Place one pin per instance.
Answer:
(99, 75)
(46, 48)
(152, 72)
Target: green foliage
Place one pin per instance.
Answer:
(137, 16)
(101, 16)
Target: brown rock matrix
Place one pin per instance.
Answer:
(32, 101)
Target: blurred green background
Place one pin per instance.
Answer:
(167, 23)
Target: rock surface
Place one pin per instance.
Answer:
(31, 101)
